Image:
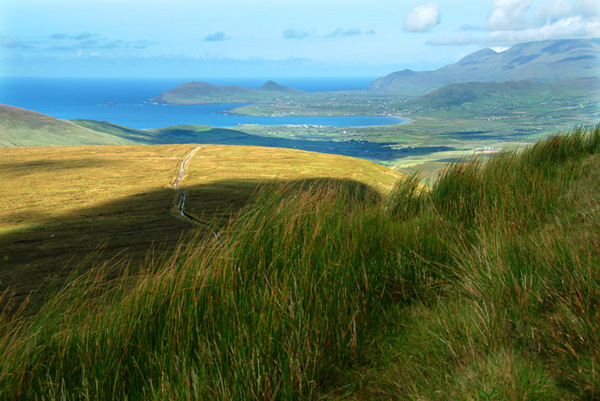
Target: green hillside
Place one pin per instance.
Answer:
(20, 127)
(485, 287)
(509, 93)
(174, 134)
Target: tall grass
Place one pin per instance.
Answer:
(485, 286)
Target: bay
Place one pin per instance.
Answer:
(123, 101)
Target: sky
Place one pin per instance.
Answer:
(270, 38)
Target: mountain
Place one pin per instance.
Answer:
(20, 127)
(551, 60)
(275, 87)
(522, 92)
(204, 92)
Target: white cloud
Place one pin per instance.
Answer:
(508, 15)
(558, 9)
(421, 18)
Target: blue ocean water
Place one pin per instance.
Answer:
(123, 101)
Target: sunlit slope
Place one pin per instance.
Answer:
(58, 204)
(21, 127)
(221, 178)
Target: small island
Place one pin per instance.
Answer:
(206, 93)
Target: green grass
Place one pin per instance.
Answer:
(486, 287)
(20, 127)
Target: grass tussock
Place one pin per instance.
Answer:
(487, 286)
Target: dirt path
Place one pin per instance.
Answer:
(175, 186)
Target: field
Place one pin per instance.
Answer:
(486, 286)
(60, 204)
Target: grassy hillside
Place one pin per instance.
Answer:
(481, 94)
(59, 204)
(20, 127)
(223, 178)
(173, 134)
(485, 287)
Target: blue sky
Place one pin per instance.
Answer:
(270, 38)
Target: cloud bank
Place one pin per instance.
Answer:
(513, 21)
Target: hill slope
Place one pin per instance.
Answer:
(58, 204)
(21, 127)
(550, 60)
(521, 92)
(485, 287)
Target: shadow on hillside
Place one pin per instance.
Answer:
(374, 151)
(129, 230)
(218, 201)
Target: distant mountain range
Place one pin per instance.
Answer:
(543, 61)
(553, 60)
(204, 92)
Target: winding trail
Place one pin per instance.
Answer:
(175, 186)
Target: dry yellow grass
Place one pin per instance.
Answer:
(221, 178)
(59, 204)
(43, 185)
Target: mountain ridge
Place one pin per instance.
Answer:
(551, 60)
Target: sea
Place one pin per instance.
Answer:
(124, 101)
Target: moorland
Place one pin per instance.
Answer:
(451, 257)
(486, 285)
(66, 209)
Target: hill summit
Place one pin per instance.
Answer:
(275, 87)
